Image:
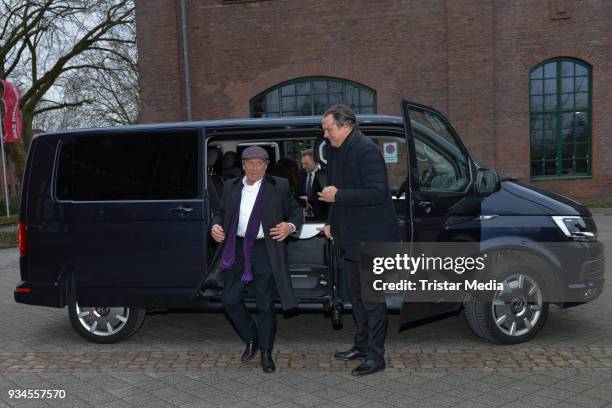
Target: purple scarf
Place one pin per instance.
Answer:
(228, 256)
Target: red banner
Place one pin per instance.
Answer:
(13, 124)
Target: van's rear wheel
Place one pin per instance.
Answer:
(105, 324)
(512, 315)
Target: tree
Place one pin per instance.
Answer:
(68, 56)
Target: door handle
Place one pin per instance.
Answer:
(182, 211)
(426, 206)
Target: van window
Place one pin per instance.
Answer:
(442, 167)
(395, 154)
(152, 166)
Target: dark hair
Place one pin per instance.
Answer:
(308, 152)
(343, 115)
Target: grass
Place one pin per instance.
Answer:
(8, 239)
(4, 220)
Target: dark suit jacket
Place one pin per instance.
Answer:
(363, 210)
(279, 205)
(320, 208)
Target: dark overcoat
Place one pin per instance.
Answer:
(363, 210)
(278, 206)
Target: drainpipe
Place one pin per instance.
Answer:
(186, 59)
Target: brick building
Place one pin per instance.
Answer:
(527, 84)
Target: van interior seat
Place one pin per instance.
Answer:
(307, 261)
(213, 158)
(230, 166)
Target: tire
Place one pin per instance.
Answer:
(513, 315)
(104, 325)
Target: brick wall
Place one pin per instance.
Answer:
(469, 59)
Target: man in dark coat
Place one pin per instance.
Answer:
(257, 214)
(312, 181)
(361, 210)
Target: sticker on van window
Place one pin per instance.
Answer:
(390, 152)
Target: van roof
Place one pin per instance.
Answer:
(274, 123)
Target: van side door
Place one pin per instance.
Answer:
(136, 211)
(444, 206)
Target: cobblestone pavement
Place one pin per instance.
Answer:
(192, 360)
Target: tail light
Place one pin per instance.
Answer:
(21, 237)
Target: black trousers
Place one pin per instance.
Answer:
(370, 317)
(236, 311)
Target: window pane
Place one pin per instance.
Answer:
(303, 104)
(367, 98)
(582, 166)
(567, 69)
(550, 102)
(271, 102)
(567, 166)
(537, 168)
(335, 99)
(319, 87)
(320, 104)
(288, 104)
(567, 85)
(366, 109)
(567, 101)
(351, 95)
(581, 150)
(550, 70)
(580, 119)
(537, 73)
(550, 152)
(567, 151)
(582, 100)
(334, 86)
(303, 88)
(582, 84)
(580, 134)
(550, 168)
(119, 167)
(550, 86)
(537, 137)
(567, 120)
(536, 103)
(550, 121)
(537, 152)
(549, 136)
(288, 90)
(567, 135)
(536, 121)
(580, 70)
(537, 87)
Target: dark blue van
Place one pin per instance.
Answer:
(114, 222)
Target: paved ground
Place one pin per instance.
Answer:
(193, 360)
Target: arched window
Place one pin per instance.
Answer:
(312, 96)
(560, 118)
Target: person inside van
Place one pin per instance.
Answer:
(256, 216)
(312, 181)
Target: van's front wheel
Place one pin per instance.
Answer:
(513, 315)
(105, 324)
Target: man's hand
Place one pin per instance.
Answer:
(217, 233)
(327, 231)
(328, 194)
(281, 231)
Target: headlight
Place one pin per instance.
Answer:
(577, 228)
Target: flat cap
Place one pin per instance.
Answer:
(254, 152)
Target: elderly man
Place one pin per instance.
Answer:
(256, 216)
(361, 210)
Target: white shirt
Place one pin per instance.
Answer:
(247, 201)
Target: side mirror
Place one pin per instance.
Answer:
(487, 181)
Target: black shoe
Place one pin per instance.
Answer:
(351, 354)
(370, 366)
(267, 364)
(250, 350)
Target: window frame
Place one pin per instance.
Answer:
(557, 112)
(311, 94)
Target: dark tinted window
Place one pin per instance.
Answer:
(153, 166)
